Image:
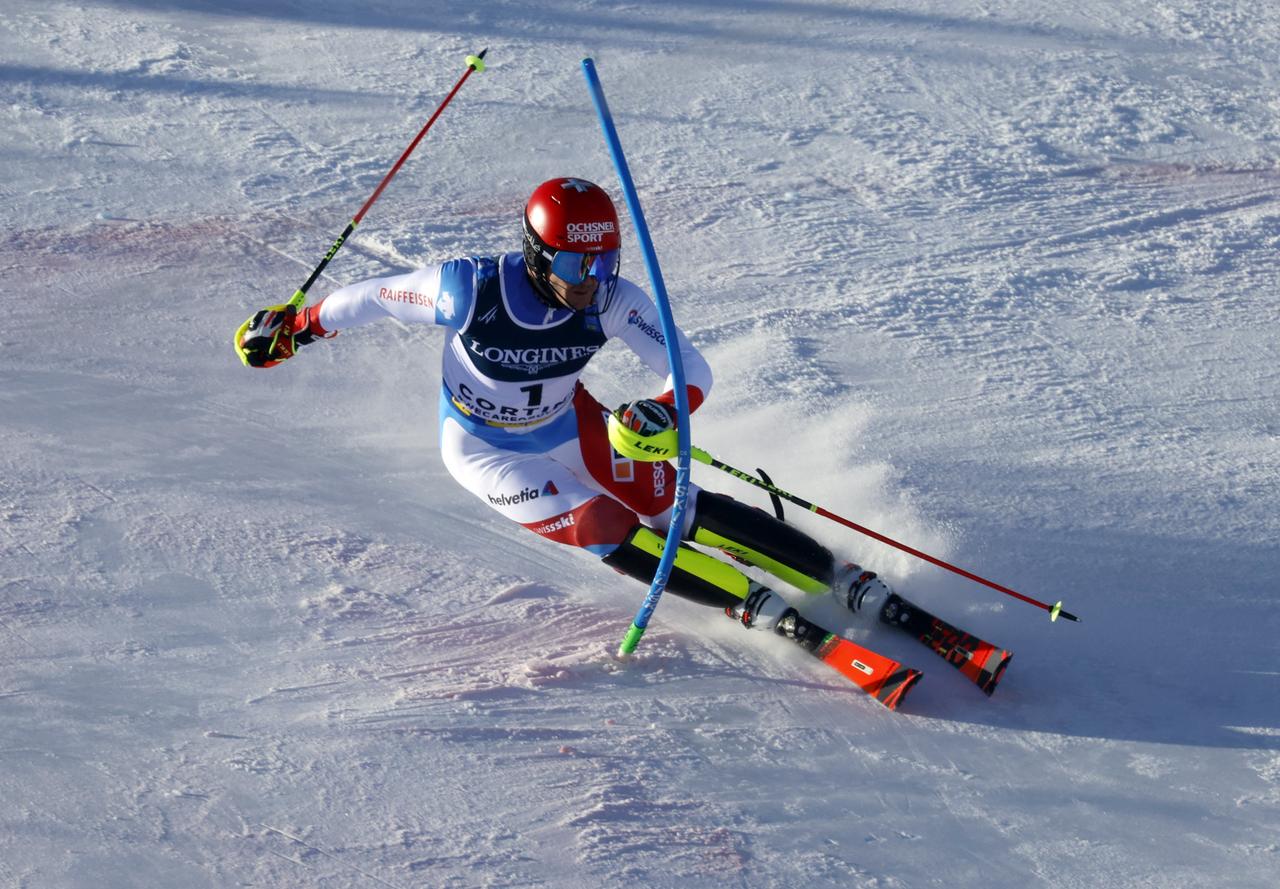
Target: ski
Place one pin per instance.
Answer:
(980, 661)
(883, 678)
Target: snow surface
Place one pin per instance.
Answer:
(996, 278)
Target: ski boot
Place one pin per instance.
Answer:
(765, 610)
(854, 588)
(761, 609)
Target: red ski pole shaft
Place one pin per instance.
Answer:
(1055, 611)
(474, 63)
(933, 560)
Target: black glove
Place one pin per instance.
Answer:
(262, 342)
(647, 417)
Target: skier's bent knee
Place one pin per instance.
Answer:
(599, 525)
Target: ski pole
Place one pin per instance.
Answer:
(680, 505)
(629, 444)
(1055, 611)
(474, 63)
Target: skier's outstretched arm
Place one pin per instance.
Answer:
(438, 294)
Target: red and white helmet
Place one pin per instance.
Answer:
(571, 229)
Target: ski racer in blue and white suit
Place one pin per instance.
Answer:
(517, 427)
(520, 431)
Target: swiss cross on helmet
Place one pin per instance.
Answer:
(571, 231)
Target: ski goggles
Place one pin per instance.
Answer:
(574, 268)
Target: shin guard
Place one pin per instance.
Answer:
(696, 576)
(759, 539)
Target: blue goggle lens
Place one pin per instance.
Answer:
(575, 268)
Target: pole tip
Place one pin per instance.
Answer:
(477, 62)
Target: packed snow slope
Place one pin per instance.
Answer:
(995, 278)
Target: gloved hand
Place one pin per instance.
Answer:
(262, 341)
(647, 417)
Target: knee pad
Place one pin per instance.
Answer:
(759, 539)
(697, 576)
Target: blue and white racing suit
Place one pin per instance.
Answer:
(517, 427)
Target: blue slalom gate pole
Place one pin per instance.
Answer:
(641, 620)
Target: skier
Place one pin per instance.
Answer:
(520, 431)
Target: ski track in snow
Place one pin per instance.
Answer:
(1003, 274)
